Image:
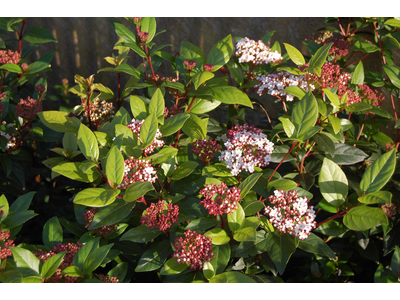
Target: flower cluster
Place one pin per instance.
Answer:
(372, 97)
(103, 230)
(219, 199)
(27, 109)
(160, 215)
(246, 147)
(72, 249)
(10, 137)
(190, 64)
(136, 125)
(205, 149)
(2, 95)
(291, 213)
(391, 209)
(256, 52)
(208, 67)
(275, 84)
(5, 244)
(106, 279)
(101, 112)
(320, 36)
(339, 49)
(137, 170)
(194, 249)
(9, 57)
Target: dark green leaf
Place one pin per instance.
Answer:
(280, 246)
(126, 34)
(305, 115)
(362, 218)
(248, 184)
(137, 190)
(316, 245)
(52, 232)
(114, 167)
(154, 258)
(202, 223)
(37, 35)
(173, 124)
(111, 214)
(95, 258)
(52, 264)
(141, 234)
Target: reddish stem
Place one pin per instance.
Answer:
(20, 36)
(338, 215)
(287, 154)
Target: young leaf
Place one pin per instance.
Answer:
(157, 105)
(114, 167)
(87, 143)
(52, 264)
(96, 197)
(358, 75)
(295, 55)
(333, 183)
(52, 232)
(379, 173)
(148, 130)
(287, 126)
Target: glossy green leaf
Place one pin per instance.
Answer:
(195, 128)
(52, 264)
(123, 32)
(304, 115)
(319, 58)
(393, 73)
(325, 143)
(188, 51)
(11, 276)
(37, 67)
(4, 207)
(314, 244)
(222, 255)
(230, 95)
(137, 190)
(149, 24)
(296, 91)
(247, 184)
(157, 105)
(362, 218)
(83, 253)
(173, 124)
(114, 167)
(52, 232)
(220, 53)
(154, 258)
(141, 234)
(95, 258)
(395, 262)
(25, 259)
(376, 198)
(236, 219)
(184, 170)
(287, 126)
(201, 77)
(73, 171)
(112, 214)
(358, 75)
(96, 197)
(332, 97)
(295, 55)
(87, 143)
(172, 267)
(72, 271)
(11, 68)
(379, 173)
(332, 183)
(138, 107)
(246, 234)
(148, 130)
(15, 219)
(281, 184)
(218, 236)
(202, 223)
(347, 155)
(217, 169)
(335, 122)
(59, 121)
(280, 246)
(38, 35)
(232, 277)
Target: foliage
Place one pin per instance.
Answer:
(162, 191)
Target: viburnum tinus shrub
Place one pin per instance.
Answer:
(163, 191)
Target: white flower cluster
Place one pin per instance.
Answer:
(246, 147)
(276, 84)
(136, 126)
(291, 213)
(10, 138)
(256, 52)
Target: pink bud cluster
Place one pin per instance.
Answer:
(208, 67)
(9, 57)
(5, 244)
(205, 149)
(137, 170)
(275, 84)
(291, 213)
(136, 125)
(2, 95)
(10, 137)
(88, 217)
(340, 48)
(246, 148)
(256, 52)
(190, 64)
(391, 209)
(143, 36)
(160, 215)
(101, 112)
(371, 96)
(319, 37)
(72, 249)
(219, 199)
(194, 249)
(107, 279)
(27, 109)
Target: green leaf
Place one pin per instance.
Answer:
(148, 130)
(236, 219)
(393, 73)
(296, 91)
(282, 184)
(4, 207)
(218, 236)
(157, 105)
(128, 70)
(201, 77)
(114, 167)
(72, 271)
(295, 55)
(52, 232)
(232, 277)
(379, 173)
(25, 259)
(335, 122)
(287, 126)
(319, 58)
(358, 75)
(148, 24)
(358, 107)
(172, 267)
(195, 128)
(137, 190)
(11, 68)
(188, 51)
(11, 276)
(73, 171)
(332, 183)
(87, 143)
(304, 115)
(154, 258)
(138, 108)
(83, 253)
(333, 97)
(36, 67)
(123, 32)
(96, 197)
(246, 234)
(362, 218)
(52, 264)
(222, 256)
(217, 169)
(395, 262)
(173, 124)
(364, 47)
(141, 234)
(95, 258)
(325, 143)
(347, 155)
(377, 198)
(111, 214)
(59, 121)
(184, 170)
(201, 224)
(393, 22)
(230, 95)
(267, 37)
(280, 246)
(247, 184)
(16, 219)
(38, 35)
(314, 244)
(220, 53)
(208, 270)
